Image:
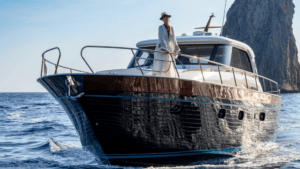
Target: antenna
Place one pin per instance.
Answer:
(208, 24)
(223, 19)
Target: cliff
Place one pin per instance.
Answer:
(266, 26)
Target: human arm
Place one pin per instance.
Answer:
(177, 49)
(162, 45)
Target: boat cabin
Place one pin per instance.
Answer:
(215, 48)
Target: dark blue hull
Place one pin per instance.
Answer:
(139, 121)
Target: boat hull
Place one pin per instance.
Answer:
(156, 121)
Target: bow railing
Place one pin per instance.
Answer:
(142, 69)
(44, 67)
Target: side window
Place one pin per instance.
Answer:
(245, 61)
(235, 58)
(240, 59)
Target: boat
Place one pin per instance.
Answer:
(215, 106)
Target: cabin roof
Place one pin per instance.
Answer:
(198, 40)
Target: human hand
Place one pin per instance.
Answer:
(179, 53)
(167, 52)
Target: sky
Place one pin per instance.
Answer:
(30, 27)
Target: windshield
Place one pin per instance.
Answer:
(217, 53)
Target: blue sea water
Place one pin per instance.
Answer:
(35, 132)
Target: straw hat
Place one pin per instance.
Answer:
(164, 14)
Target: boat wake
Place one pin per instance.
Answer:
(56, 155)
(260, 155)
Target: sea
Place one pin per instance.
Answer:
(35, 132)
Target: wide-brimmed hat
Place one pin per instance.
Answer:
(164, 14)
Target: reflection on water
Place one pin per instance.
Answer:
(36, 133)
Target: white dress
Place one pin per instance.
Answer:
(168, 43)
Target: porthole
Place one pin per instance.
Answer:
(176, 109)
(221, 113)
(241, 115)
(262, 116)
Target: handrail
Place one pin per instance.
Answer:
(56, 65)
(115, 47)
(43, 59)
(153, 60)
(217, 63)
(65, 67)
(184, 55)
(139, 67)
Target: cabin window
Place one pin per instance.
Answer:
(141, 58)
(245, 61)
(217, 53)
(202, 51)
(240, 59)
(235, 58)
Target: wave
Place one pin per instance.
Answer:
(5, 107)
(30, 163)
(39, 147)
(256, 156)
(56, 146)
(54, 106)
(49, 163)
(41, 119)
(14, 115)
(60, 155)
(24, 107)
(41, 128)
(40, 104)
(35, 106)
(71, 154)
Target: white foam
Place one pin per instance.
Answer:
(70, 155)
(40, 119)
(255, 156)
(14, 116)
(56, 146)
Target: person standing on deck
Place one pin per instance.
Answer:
(166, 42)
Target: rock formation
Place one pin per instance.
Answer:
(266, 26)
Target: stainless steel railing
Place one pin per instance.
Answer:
(139, 67)
(56, 65)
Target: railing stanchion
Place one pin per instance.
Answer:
(234, 77)
(256, 82)
(137, 62)
(271, 87)
(174, 65)
(277, 90)
(85, 60)
(201, 70)
(42, 67)
(71, 70)
(57, 62)
(220, 75)
(246, 80)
